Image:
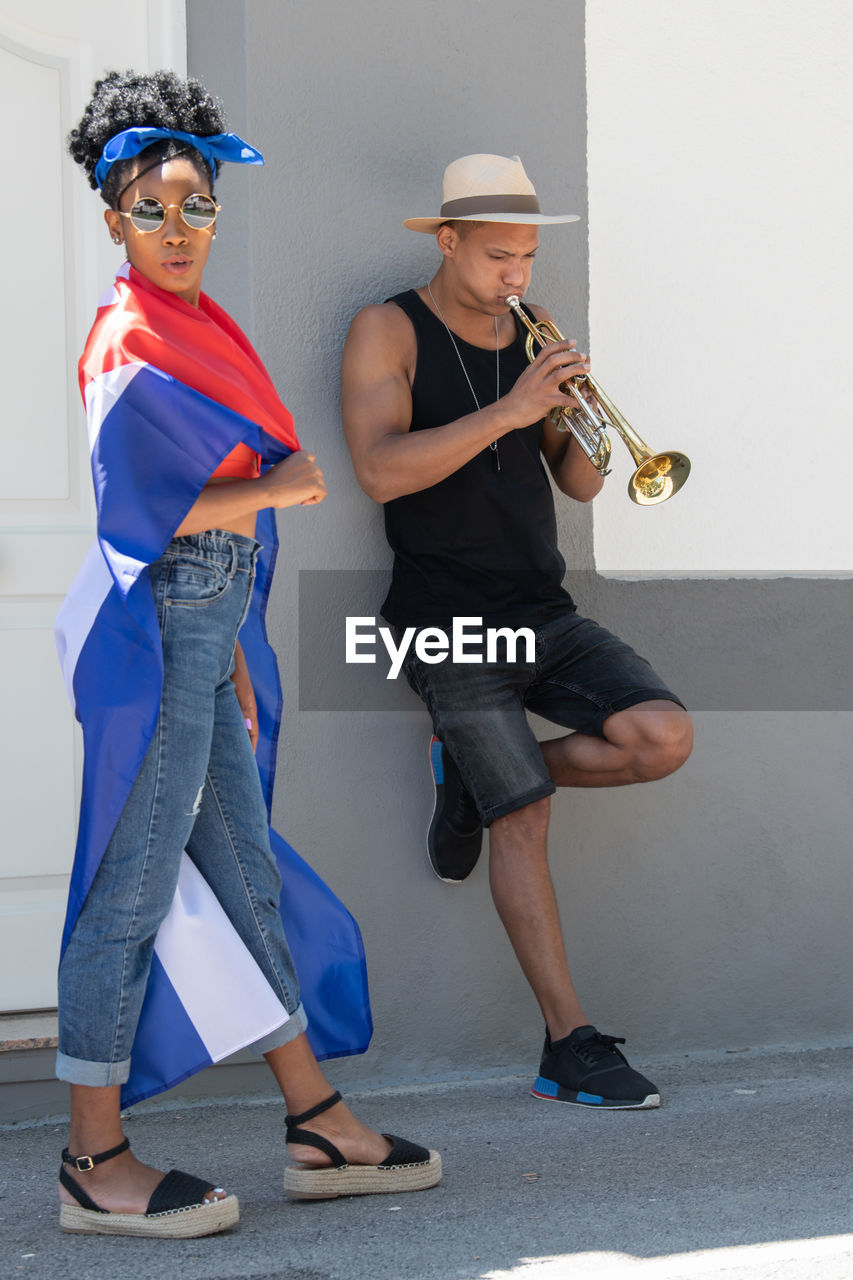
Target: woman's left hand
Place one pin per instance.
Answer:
(245, 694)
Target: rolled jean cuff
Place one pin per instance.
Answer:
(96, 1074)
(295, 1025)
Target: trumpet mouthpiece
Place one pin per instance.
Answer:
(512, 300)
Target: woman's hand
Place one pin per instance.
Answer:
(245, 694)
(296, 480)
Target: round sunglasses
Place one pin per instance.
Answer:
(148, 214)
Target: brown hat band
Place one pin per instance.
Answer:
(489, 204)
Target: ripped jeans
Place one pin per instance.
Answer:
(198, 789)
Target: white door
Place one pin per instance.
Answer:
(57, 260)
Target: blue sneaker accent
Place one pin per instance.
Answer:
(455, 831)
(572, 1065)
(437, 762)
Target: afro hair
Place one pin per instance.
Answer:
(127, 100)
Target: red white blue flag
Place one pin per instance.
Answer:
(170, 390)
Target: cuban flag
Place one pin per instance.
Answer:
(170, 390)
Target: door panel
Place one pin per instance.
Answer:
(61, 262)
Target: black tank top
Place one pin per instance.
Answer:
(483, 541)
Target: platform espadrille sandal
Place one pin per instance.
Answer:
(407, 1167)
(177, 1208)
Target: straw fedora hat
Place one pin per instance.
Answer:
(485, 188)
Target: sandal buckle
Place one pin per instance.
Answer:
(84, 1164)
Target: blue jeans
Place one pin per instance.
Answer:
(198, 789)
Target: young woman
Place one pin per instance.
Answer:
(182, 417)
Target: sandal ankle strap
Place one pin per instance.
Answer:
(293, 1121)
(84, 1164)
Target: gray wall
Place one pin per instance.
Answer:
(703, 911)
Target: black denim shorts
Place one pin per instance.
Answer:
(580, 674)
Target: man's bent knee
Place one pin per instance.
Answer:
(658, 737)
(675, 745)
(665, 744)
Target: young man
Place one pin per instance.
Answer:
(445, 420)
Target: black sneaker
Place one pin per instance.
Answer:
(455, 832)
(586, 1068)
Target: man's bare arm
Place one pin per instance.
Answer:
(389, 459)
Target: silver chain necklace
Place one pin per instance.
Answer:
(494, 445)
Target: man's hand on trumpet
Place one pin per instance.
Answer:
(540, 388)
(577, 386)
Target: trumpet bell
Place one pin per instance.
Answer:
(658, 478)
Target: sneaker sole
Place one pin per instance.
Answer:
(550, 1091)
(437, 773)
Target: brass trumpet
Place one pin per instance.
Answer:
(658, 475)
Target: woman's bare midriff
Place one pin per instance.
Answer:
(244, 525)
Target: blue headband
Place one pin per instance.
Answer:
(215, 148)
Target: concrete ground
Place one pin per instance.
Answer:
(745, 1172)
